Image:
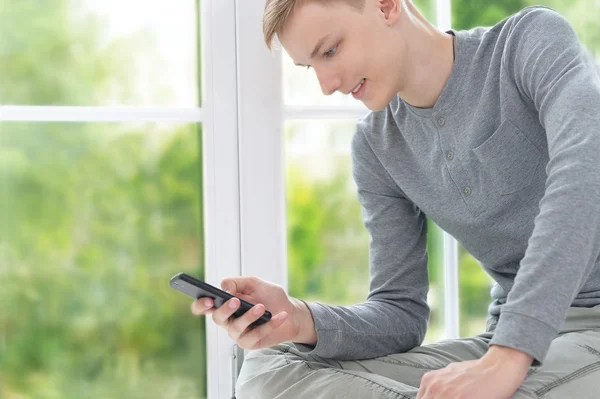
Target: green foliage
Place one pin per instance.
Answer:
(475, 285)
(52, 55)
(95, 218)
(427, 8)
(92, 239)
(467, 14)
(327, 241)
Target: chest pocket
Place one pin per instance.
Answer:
(508, 158)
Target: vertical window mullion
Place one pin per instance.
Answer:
(221, 177)
(261, 151)
(451, 282)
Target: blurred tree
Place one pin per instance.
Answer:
(467, 14)
(328, 260)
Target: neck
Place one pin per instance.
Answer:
(430, 65)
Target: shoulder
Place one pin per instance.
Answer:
(535, 39)
(537, 24)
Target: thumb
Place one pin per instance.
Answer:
(239, 285)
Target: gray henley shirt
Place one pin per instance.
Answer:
(508, 162)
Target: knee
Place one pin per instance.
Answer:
(268, 372)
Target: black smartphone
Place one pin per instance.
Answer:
(198, 289)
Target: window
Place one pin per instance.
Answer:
(95, 218)
(138, 139)
(108, 53)
(100, 203)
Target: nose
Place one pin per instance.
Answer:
(329, 81)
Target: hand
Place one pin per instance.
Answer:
(289, 315)
(497, 375)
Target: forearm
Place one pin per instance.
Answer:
(370, 329)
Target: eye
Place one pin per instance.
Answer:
(331, 52)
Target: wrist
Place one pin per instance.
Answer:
(506, 354)
(307, 333)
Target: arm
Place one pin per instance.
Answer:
(394, 317)
(551, 68)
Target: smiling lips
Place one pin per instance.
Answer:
(358, 86)
(358, 91)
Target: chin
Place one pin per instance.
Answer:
(378, 103)
(375, 107)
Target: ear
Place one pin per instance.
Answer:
(390, 10)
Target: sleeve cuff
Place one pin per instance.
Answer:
(328, 333)
(525, 334)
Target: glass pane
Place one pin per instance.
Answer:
(467, 14)
(435, 297)
(301, 86)
(95, 219)
(475, 285)
(328, 244)
(99, 52)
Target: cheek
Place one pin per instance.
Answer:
(373, 67)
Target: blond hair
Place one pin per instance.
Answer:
(278, 12)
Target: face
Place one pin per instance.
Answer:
(347, 48)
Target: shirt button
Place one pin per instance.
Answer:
(441, 121)
(467, 190)
(450, 155)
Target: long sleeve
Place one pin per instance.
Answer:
(560, 78)
(394, 317)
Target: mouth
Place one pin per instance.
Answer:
(359, 90)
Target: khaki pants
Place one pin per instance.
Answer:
(571, 368)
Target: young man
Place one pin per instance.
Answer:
(494, 133)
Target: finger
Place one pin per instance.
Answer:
(260, 337)
(235, 285)
(423, 387)
(238, 326)
(223, 313)
(202, 306)
(245, 297)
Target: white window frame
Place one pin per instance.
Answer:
(451, 282)
(219, 118)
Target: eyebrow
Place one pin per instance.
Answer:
(317, 47)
